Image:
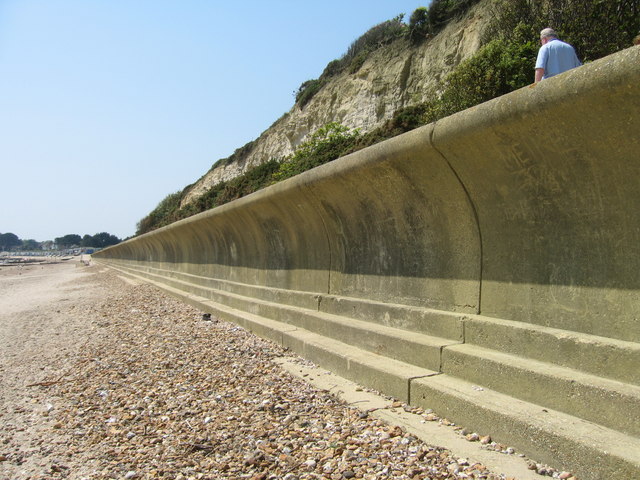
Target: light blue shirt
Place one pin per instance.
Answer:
(556, 57)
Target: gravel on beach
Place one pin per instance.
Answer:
(149, 389)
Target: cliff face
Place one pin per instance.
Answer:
(393, 77)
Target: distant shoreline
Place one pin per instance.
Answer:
(13, 260)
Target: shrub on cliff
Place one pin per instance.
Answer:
(328, 143)
(596, 28)
(160, 215)
(441, 12)
(419, 24)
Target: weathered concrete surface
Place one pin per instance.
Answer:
(553, 172)
(505, 237)
(390, 223)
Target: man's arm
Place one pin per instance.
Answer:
(541, 62)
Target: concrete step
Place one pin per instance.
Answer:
(601, 356)
(387, 375)
(599, 400)
(563, 441)
(428, 321)
(409, 347)
(278, 295)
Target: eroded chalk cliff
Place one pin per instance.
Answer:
(395, 76)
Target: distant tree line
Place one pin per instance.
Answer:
(10, 241)
(99, 240)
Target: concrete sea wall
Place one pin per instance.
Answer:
(512, 228)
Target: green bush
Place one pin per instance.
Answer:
(328, 143)
(441, 12)
(307, 90)
(333, 68)
(419, 24)
(596, 28)
(376, 37)
(158, 215)
(497, 68)
(358, 61)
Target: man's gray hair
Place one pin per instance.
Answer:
(548, 32)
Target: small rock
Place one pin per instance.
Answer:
(453, 468)
(472, 437)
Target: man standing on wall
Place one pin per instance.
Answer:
(554, 56)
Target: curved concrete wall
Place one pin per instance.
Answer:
(525, 208)
(554, 174)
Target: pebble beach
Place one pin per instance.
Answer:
(104, 378)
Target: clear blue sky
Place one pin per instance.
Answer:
(107, 106)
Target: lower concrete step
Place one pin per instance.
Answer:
(599, 400)
(375, 371)
(566, 442)
(428, 321)
(406, 346)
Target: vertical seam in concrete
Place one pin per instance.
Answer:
(464, 329)
(410, 384)
(326, 233)
(473, 209)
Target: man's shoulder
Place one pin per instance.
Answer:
(558, 44)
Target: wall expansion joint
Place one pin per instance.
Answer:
(411, 379)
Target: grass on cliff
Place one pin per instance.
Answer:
(504, 64)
